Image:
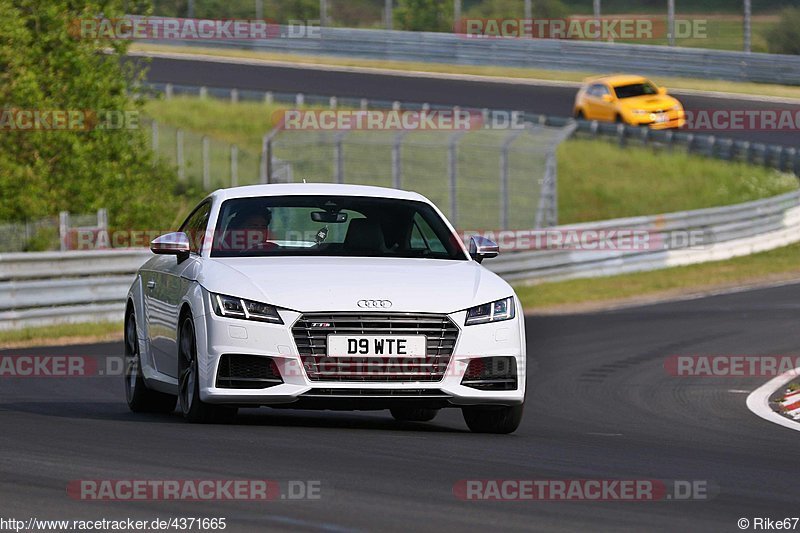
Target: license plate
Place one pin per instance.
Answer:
(662, 117)
(376, 346)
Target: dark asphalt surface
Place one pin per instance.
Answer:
(600, 405)
(556, 101)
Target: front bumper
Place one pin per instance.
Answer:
(217, 336)
(671, 120)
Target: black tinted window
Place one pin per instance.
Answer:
(332, 226)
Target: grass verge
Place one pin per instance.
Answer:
(758, 89)
(574, 295)
(61, 334)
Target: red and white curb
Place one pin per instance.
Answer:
(758, 401)
(791, 404)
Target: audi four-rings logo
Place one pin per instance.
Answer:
(375, 304)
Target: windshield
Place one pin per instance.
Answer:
(342, 226)
(635, 89)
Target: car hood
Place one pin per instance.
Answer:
(650, 102)
(321, 284)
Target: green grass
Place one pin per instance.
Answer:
(781, 262)
(41, 335)
(599, 180)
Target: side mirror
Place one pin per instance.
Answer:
(607, 98)
(662, 90)
(172, 244)
(481, 248)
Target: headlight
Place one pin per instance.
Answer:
(491, 312)
(232, 307)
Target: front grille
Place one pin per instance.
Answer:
(311, 336)
(239, 371)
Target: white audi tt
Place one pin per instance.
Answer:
(313, 296)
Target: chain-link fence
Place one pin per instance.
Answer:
(481, 178)
(50, 233)
(484, 179)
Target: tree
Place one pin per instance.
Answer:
(782, 38)
(541, 9)
(45, 66)
(424, 15)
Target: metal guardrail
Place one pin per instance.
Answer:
(550, 54)
(56, 287)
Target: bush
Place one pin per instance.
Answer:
(44, 66)
(541, 9)
(424, 15)
(784, 37)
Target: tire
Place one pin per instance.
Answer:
(619, 120)
(413, 414)
(141, 399)
(493, 419)
(192, 407)
(579, 115)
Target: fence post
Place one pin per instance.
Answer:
(333, 102)
(234, 96)
(452, 171)
(504, 192)
(168, 91)
(234, 165)
(63, 230)
(265, 157)
(154, 137)
(397, 161)
(206, 164)
(102, 240)
(338, 157)
(203, 92)
(269, 98)
(179, 154)
(364, 104)
(299, 100)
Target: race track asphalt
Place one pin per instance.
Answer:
(600, 406)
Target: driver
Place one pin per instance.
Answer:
(250, 227)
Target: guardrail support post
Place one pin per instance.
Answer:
(234, 96)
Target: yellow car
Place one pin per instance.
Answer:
(628, 99)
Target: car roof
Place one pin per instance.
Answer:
(315, 189)
(615, 80)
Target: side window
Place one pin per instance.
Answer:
(598, 90)
(195, 226)
(424, 238)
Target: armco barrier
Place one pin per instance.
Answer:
(58, 287)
